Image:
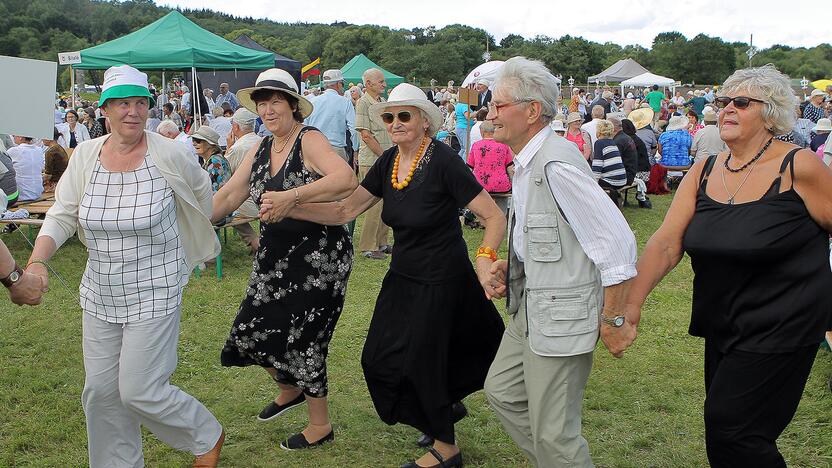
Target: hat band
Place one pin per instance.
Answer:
(274, 84)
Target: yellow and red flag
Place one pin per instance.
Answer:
(312, 68)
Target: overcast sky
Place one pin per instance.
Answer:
(622, 22)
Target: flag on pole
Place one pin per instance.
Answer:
(312, 68)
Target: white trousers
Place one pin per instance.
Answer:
(128, 369)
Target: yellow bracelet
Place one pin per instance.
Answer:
(484, 251)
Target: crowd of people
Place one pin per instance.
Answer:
(142, 182)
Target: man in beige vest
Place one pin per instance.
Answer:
(571, 256)
(240, 141)
(374, 141)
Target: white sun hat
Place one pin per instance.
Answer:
(278, 80)
(406, 94)
(124, 81)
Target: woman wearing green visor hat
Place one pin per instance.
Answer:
(140, 204)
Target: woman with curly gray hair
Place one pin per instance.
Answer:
(755, 221)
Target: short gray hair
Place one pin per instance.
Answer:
(773, 87)
(615, 121)
(167, 126)
(487, 127)
(530, 80)
(368, 74)
(598, 111)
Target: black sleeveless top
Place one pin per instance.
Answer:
(761, 270)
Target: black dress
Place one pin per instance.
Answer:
(433, 334)
(296, 290)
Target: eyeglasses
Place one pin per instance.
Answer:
(387, 117)
(495, 108)
(740, 102)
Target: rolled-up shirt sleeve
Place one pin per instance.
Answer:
(599, 226)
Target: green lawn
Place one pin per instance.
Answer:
(644, 410)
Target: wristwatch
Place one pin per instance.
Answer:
(13, 277)
(617, 321)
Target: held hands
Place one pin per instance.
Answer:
(29, 289)
(492, 276)
(274, 206)
(618, 339)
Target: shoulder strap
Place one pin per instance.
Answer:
(706, 171)
(789, 161)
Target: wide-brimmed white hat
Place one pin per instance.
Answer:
(641, 117)
(817, 92)
(678, 122)
(823, 125)
(406, 94)
(557, 125)
(278, 80)
(208, 134)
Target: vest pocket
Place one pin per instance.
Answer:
(543, 237)
(563, 312)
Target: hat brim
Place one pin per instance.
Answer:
(244, 96)
(433, 113)
(199, 137)
(125, 91)
(641, 117)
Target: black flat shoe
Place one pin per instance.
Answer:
(458, 411)
(453, 462)
(273, 410)
(299, 442)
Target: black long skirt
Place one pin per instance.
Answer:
(428, 346)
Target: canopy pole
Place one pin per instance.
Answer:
(72, 84)
(194, 95)
(164, 90)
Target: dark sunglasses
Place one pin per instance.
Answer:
(387, 117)
(740, 102)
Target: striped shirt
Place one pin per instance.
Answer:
(607, 164)
(598, 224)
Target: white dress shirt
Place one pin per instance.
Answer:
(599, 226)
(28, 164)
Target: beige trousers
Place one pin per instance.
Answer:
(374, 232)
(538, 399)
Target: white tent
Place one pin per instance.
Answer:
(648, 79)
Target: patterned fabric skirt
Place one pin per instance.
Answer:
(293, 300)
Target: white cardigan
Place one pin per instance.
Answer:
(81, 133)
(190, 183)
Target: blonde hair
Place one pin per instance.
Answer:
(773, 87)
(605, 129)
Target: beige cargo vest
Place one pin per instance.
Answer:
(558, 287)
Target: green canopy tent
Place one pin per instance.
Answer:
(174, 42)
(355, 68)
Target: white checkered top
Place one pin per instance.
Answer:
(136, 268)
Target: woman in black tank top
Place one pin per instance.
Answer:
(755, 222)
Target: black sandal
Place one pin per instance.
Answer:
(453, 462)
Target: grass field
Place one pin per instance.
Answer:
(642, 411)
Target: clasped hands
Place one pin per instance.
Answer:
(617, 339)
(29, 289)
(274, 206)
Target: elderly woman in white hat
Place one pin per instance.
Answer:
(434, 331)
(674, 144)
(820, 133)
(207, 146)
(295, 294)
(755, 223)
(814, 108)
(140, 204)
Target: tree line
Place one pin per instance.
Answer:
(40, 29)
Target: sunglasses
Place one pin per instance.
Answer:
(740, 102)
(387, 117)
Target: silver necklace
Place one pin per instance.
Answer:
(730, 200)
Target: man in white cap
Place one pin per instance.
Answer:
(485, 94)
(241, 140)
(814, 108)
(334, 114)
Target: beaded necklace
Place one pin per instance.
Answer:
(394, 177)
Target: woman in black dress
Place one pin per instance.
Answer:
(296, 290)
(755, 221)
(434, 331)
